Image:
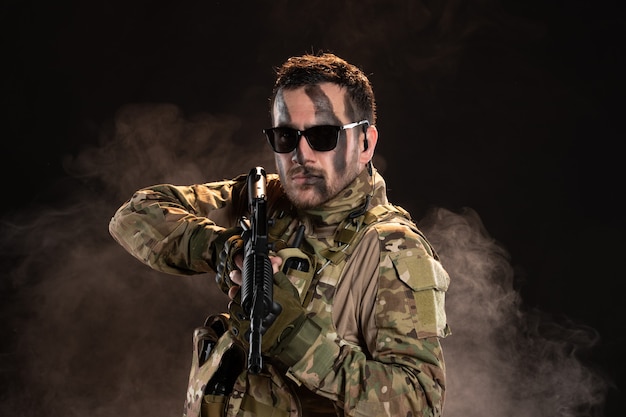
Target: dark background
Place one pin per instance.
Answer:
(512, 109)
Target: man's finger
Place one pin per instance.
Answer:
(238, 259)
(276, 261)
(233, 291)
(235, 277)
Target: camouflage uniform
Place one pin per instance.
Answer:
(377, 292)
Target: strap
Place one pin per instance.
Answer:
(351, 230)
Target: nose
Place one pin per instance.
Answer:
(303, 151)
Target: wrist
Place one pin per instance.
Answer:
(224, 249)
(220, 240)
(293, 346)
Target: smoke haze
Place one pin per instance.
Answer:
(495, 114)
(94, 332)
(504, 361)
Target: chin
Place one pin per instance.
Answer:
(305, 199)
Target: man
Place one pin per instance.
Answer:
(358, 327)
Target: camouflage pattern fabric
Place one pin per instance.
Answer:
(402, 373)
(253, 395)
(378, 293)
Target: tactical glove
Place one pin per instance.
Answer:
(287, 333)
(228, 244)
(297, 266)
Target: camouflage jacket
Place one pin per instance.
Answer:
(377, 291)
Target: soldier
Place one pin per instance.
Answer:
(361, 317)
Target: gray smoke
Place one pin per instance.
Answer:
(88, 330)
(503, 360)
(94, 332)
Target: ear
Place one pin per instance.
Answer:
(367, 152)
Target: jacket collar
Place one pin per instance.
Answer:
(350, 200)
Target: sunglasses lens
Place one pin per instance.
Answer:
(282, 139)
(322, 138)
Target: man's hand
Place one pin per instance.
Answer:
(281, 324)
(235, 275)
(228, 246)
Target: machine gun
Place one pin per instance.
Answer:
(257, 274)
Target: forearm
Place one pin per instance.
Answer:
(167, 227)
(402, 385)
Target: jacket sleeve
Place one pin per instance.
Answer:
(171, 228)
(401, 369)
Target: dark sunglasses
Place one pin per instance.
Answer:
(321, 138)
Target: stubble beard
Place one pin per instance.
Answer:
(308, 195)
(319, 190)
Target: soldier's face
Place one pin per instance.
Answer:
(310, 177)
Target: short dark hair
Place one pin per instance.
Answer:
(312, 69)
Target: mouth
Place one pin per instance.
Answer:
(305, 177)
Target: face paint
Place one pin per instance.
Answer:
(349, 106)
(281, 109)
(310, 178)
(323, 106)
(324, 111)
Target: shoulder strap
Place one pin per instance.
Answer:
(352, 230)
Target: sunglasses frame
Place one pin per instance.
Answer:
(269, 134)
